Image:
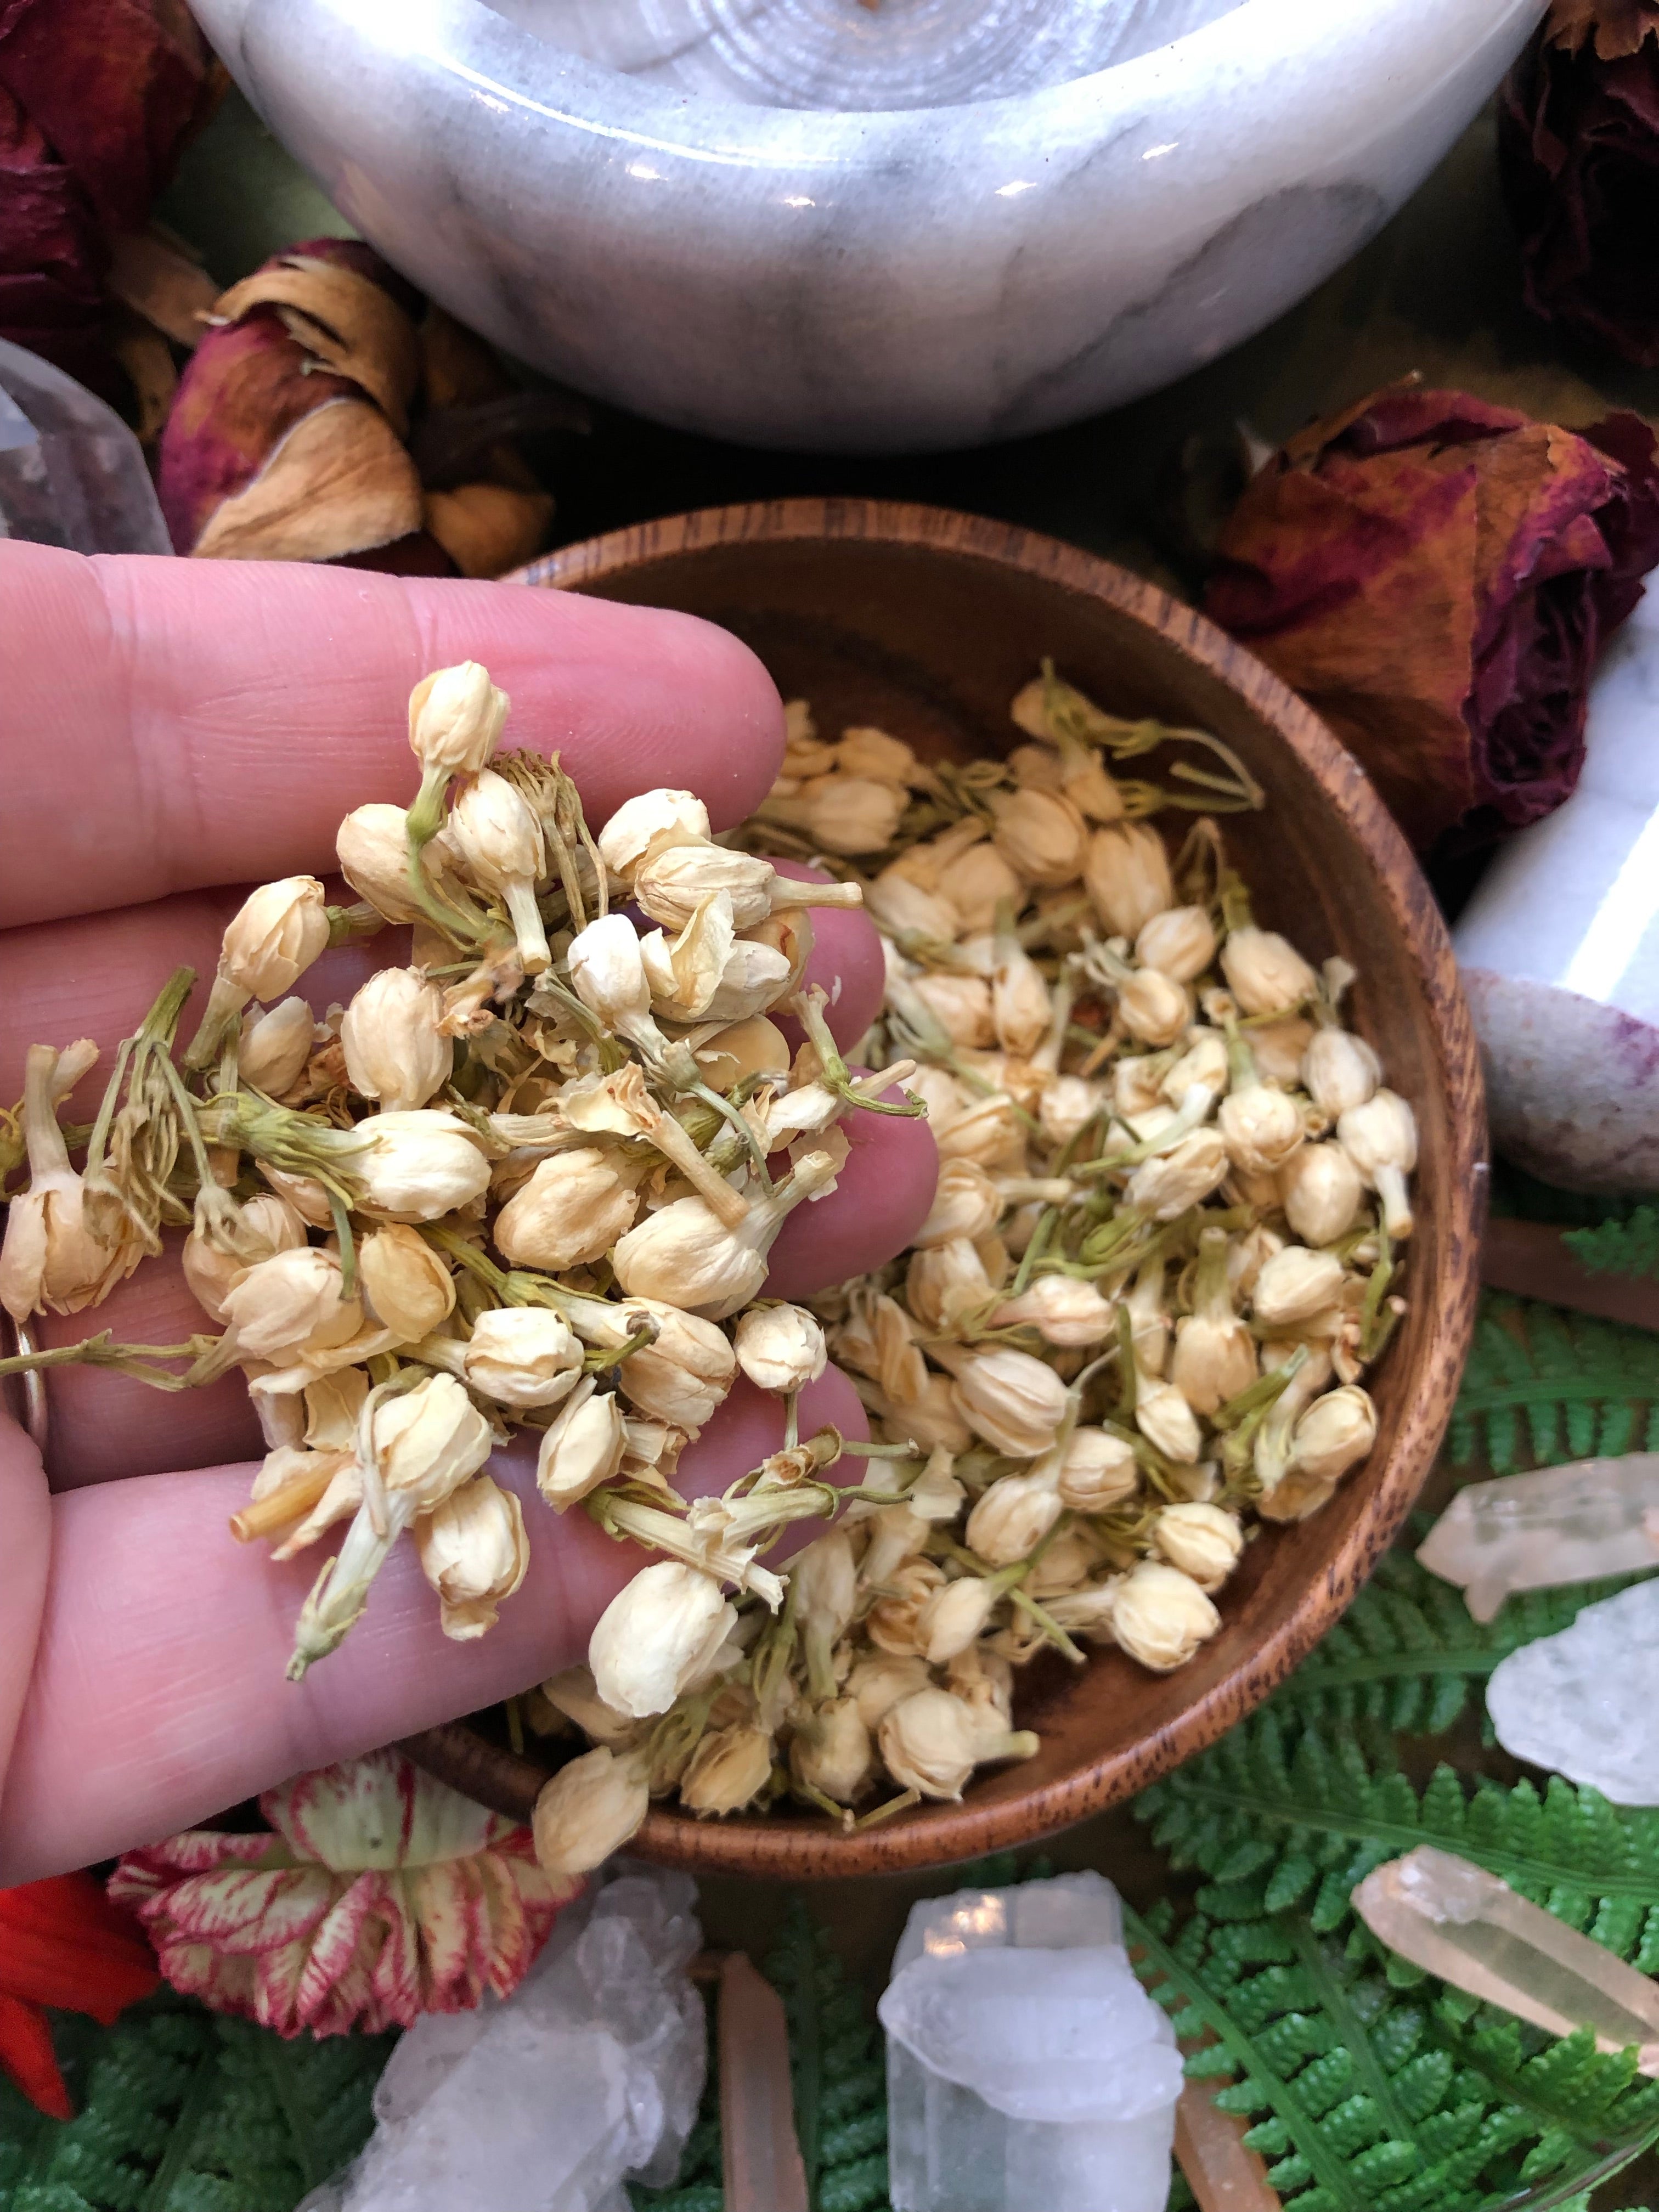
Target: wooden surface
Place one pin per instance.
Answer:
(926, 622)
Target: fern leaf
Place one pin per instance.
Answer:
(1542, 1386)
(1406, 1655)
(1630, 1247)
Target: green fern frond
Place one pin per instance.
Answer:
(1542, 1386)
(1281, 1806)
(836, 2065)
(180, 2109)
(1630, 1247)
(1406, 1655)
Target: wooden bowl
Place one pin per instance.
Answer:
(926, 623)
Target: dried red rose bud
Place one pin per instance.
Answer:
(1436, 575)
(330, 414)
(96, 101)
(1578, 153)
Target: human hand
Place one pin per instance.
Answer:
(170, 731)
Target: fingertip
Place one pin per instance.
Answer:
(880, 1199)
(846, 964)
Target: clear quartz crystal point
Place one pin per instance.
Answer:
(1563, 1524)
(1027, 2069)
(72, 473)
(590, 2072)
(1585, 1703)
(1459, 1921)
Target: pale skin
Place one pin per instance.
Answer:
(171, 731)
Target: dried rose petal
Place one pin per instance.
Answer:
(97, 98)
(1578, 145)
(1435, 576)
(382, 1895)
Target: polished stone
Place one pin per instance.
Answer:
(878, 279)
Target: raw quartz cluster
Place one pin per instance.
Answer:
(592, 2071)
(530, 1180)
(1027, 2069)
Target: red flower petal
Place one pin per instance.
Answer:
(336, 1942)
(28, 2058)
(243, 1913)
(64, 1943)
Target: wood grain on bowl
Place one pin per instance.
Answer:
(926, 623)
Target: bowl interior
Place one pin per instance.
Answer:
(927, 624)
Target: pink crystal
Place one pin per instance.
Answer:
(1563, 1524)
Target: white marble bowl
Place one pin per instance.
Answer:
(873, 279)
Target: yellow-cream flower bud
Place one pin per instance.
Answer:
(945, 1282)
(1020, 997)
(674, 879)
(573, 1209)
(1160, 1616)
(824, 1591)
(1334, 1434)
(500, 844)
(522, 1356)
(1087, 1611)
(831, 1751)
(1321, 1189)
(1166, 1420)
(932, 1742)
(1260, 1127)
(1012, 1517)
(1379, 1138)
(1203, 1064)
(956, 1616)
(685, 1255)
(1067, 1105)
(878, 1680)
(898, 905)
(1339, 1070)
(405, 1283)
(266, 1224)
(685, 1374)
(1063, 1308)
(1168, 1183)
(572, 1694)
(275, 1048)
(1012, 1401)
(1126, 872)
(1097, 1471)
(607, 972)
(428, 1441)
(418, 1166)
(781, 1348)
(1280, 1047)
(588, 1810)
(1296, 1284)
(988, 1131)
(893, 1623)
(372, 845)
(658, 1636)
(844, 813)
(474, 1552)
(626, 837)
(976, 883)
(394, 1051)
(1265, 973)
(729, 1769)
(455, 718)
(1040, 833)
(276, 933)
(961, 1005)
(1152, 1006)
(1179, 942)
(332, 1406)
(1215, 1354)
(582, 1447)
(966, 1204)
(293, 1298)
(1202, 1540)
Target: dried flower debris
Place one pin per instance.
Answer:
(530, 1181)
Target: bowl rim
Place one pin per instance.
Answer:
(937, 1835)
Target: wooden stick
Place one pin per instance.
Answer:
(763, 2163)
(1209, 2148)
(1528, 1258)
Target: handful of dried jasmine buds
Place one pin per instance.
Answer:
(530, 1180)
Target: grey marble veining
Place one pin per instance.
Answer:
(871, 279)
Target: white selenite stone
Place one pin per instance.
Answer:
(1586, 1702)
